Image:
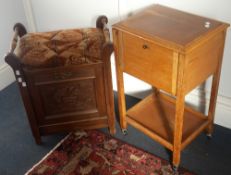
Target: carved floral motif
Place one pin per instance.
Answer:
(69, 97)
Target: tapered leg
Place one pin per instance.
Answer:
(214, 91)
(121, 98)
(178, 128)
(212, 105)
(120, 82)
(106, 55)
(179, 114)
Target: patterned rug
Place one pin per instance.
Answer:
(94, 153)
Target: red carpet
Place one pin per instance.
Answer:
(94, 153)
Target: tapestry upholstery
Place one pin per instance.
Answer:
(60, 48)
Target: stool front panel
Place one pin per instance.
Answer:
(67, 94)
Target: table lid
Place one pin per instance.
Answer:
(170, 25)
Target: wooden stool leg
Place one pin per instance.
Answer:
(107, 51)
(13, 61)
(30, 115)
(38, 140)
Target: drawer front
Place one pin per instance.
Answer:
(149, 62)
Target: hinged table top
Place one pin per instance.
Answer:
(164, 24)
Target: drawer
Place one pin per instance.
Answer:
(149, 62)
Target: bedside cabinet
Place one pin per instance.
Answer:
(174, 52)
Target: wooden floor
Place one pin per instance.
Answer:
(18, 152)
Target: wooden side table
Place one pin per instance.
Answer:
(173, 51)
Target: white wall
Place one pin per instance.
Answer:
(11, 11)
(44, 15)
(58, 14)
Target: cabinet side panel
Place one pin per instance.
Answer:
(202, 61)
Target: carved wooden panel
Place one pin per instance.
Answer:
(68, 97)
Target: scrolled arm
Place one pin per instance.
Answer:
(101, 23)
(19, 31)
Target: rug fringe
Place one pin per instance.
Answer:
(58, 144)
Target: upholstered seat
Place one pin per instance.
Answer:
(64, 78)
(60, 48)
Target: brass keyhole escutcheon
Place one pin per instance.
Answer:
(145, 46)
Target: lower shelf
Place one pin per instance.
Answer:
(155, 117)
